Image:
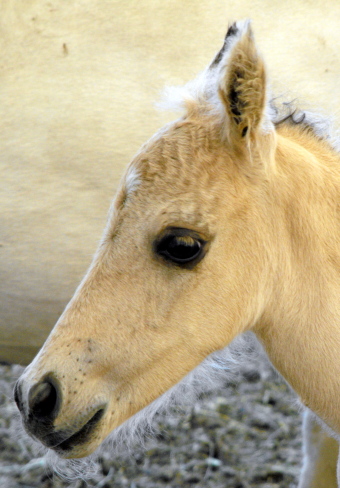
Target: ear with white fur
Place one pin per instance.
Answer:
(242, 88)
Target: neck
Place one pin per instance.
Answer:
(300, 329)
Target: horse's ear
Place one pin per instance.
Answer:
(241, 84)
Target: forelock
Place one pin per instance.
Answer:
(132, 179)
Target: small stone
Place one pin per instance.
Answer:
(213, 462)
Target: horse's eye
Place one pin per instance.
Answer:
(181, 246)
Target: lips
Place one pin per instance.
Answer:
(82, 435)
(64, 440)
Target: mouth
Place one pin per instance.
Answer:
(62, 442)
(82, 435)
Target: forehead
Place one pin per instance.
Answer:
(178, 172)
(183, 157)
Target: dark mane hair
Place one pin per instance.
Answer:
(319, 125)
(287, 113)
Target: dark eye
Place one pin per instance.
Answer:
(180, 246)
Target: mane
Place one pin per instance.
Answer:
(319, 125)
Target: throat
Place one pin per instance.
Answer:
(308, 357)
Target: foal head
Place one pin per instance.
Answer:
(183, 267)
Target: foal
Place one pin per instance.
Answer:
(227, 220)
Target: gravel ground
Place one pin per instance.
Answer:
(247, 434)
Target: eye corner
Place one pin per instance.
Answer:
(181, 247)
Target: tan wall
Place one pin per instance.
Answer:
(77, 88)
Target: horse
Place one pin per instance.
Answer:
(226, 221)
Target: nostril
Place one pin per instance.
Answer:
(18, 396)
(44, 399)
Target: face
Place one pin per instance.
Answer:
(181, 270)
